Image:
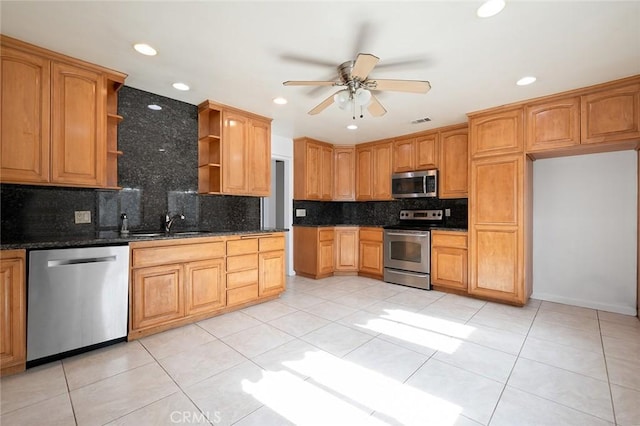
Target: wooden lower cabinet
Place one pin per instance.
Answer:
(371, 253)
(204, 286)
(449, 259)
(13, 312)
(271, 269)
(313, 251)
(158, 296)
(346, 249)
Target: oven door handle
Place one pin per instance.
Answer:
(403, 234)
(412, 274)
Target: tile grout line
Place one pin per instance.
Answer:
(606, 368)
(66, 380)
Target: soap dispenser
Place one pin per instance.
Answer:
(124, 230)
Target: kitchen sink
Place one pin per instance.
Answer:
(147, 234)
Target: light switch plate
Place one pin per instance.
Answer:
(82, 216)
(301, 212)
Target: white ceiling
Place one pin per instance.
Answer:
(239, 53)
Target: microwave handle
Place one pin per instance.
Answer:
(424, 184)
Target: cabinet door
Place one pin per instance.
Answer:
(271, 269)
(13, 331)
(371, 258)
(345, 174)
(454, 164)
(554, 124)
(611, 115)
(157, 296)
(364, 164)
(24, 117)
(496, 237)
(404, 155)
(346, 245)
(326, 172)
(381, 175)
(235, 135)
(78, 122)
(449, 267)
(325, 257)
(313, 169)
(205, 286)
(427, 152)
(259, 158)
(496, 133)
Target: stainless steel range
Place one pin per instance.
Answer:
(407, 248)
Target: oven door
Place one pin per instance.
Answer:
(407, 250)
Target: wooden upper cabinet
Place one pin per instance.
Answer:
(364, 168)
(25, 121)
(381, 171)
(344, 162)
(496, 132)
(497, 190)
(78, 117)
(553, 124)
(313, 170)
(59, 119)
(259, 158)
(426, 152)
(416, 153)
(404, 159)
(453, 176)
(611, 115)
(235, 146)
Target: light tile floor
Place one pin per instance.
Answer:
(350, 351)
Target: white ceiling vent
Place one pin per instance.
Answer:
(421, 120)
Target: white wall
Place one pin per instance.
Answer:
(585, 230)
(282, 149)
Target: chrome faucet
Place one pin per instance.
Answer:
(168, 221)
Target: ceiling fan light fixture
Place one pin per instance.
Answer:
(490, 8)
(342, 98)
(362, 97)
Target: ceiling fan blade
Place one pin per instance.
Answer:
(411, 86)
(322, 106)
(375, 107)
(363, 66)
(306, 60)
(309, 83)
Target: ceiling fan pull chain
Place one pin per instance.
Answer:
(361, 112)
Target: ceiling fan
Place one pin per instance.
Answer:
(358, 87)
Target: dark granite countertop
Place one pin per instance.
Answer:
(111, 238)
(434, 228)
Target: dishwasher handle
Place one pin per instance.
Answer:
(63, 262)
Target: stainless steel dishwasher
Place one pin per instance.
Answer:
(76, 298)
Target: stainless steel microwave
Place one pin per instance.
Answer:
(415, 184)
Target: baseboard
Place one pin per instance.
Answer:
(625, 310)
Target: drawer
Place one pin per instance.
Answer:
(449, 239)
(271, 243)
(371, 234)
(325, 234)
(242, 278)
(240, 263)
(235, 247)
(165, 255)
(242, 295)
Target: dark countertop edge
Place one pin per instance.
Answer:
(78, 242)
(436, 228)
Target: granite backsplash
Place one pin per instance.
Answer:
(377, 212)
(158, 173)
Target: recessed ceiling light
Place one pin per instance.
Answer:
(525, 81)
(145, 49)
(154, 107)
(490, 8)
(352, 127)
(279, 101)
(180, 86)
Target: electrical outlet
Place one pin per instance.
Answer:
(447, 212)
(82, 216)
(301, 212)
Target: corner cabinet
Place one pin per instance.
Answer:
(59, 119)
(313, 170)
(344, 161)
(346, 249)
(13, 312)
(234, 151)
